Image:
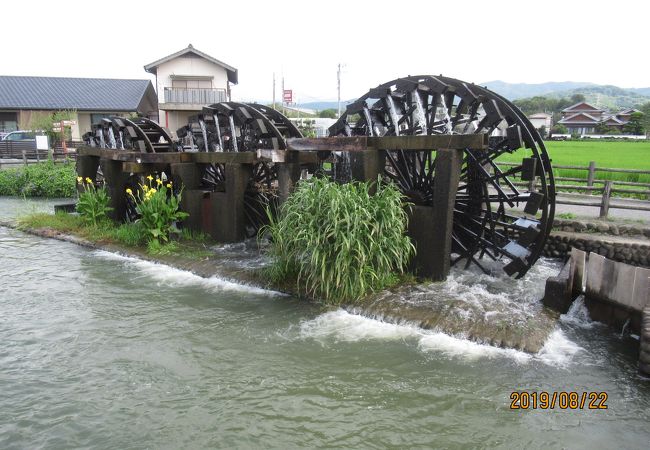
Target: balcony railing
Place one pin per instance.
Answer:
(195, 96)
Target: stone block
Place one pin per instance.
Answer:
(578, 262)
(557, 292)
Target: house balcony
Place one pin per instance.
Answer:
(191, 99)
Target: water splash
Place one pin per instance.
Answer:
(340, 326)
(170, 276)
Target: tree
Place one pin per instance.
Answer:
(634, 125)
(328, 113)
(645, 120)
(558, 128)
(542, 131)
(601, 128)
(577, 98)
(47, 122)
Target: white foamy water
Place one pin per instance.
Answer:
(558, 350)
(342, 326)
(578, 315)
(176, 277)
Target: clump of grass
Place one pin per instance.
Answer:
(337, 241)
(568, 216)
(131, 234)
(193, 235)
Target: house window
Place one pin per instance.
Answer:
(8, 121)
(96, 118)
(192, 84)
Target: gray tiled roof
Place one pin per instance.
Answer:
(71, 93)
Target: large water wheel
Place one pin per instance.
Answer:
(242, 127)
(137, 134)
(502, 212)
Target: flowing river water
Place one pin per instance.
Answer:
(103, 351)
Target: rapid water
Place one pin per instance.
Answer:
(103, 351)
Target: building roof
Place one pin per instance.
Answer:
(540, 116)
(82, 94)
(580, 118)
(232, 72)
(574, 107)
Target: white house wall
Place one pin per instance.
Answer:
(195, 66)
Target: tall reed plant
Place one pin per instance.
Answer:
(338, 242)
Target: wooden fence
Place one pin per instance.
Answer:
(598, 196)
(14, 153)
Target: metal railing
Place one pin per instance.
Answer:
(195, 96)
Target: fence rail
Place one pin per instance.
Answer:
(25, 153)
(605, 191)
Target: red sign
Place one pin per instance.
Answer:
(287, 96)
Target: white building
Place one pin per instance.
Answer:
(188, 80)
(540, 120)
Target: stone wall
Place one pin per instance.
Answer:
(613, 229)
(629, 244)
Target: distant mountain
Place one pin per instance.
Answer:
(513, 91)
(606, 96)
(611, 97)
(642, 91)
(319, 106)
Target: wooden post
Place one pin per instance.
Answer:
(115, 186)
(24, 157)
(288, 176)
(228, 216)
(86, 167)
(445, 186)
(366, 165)
(189, 174)
(592, 173)
(604, 205)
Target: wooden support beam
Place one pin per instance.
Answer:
(445, 186)
(413, 143)
(134, 167)
(339, 144)
(367, 165)
(288, 176)
(224, 157)
(115, 185)
(228, 216)
(87, 168)
(123, 155)
(187, 174)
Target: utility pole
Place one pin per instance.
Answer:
(273, 90)
(284, 111)
(338, 82)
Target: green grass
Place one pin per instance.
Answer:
(337, 241)
(132, 235)
(616, 155)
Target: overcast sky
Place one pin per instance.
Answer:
(604, 42)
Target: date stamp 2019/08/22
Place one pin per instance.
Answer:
(558, 400)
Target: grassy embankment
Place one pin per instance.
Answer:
(189, 244)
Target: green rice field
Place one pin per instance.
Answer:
(619, 155)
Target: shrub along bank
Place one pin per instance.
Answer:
(337, 242)
(39, 180)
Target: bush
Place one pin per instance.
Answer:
(92, 205)
(158, 209)
(39, 180)
(337, 241)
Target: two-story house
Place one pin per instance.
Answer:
(188, 80)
